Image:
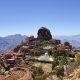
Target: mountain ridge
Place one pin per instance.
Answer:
(9, 42)
(73, 39)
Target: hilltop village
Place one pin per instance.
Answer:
(41, 58)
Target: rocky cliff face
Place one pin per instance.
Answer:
(44, 34)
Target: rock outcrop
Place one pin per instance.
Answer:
(44, 34)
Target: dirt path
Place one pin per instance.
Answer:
(27, 76)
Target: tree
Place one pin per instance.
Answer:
(68, 44)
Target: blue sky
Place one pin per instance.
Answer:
(25, 17)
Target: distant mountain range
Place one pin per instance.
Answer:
(74, 40)
(10, 42)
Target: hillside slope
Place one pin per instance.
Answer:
(9, 42)
(74, 76)
(74, 40)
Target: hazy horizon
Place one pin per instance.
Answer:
(27, 16)
(36, 35)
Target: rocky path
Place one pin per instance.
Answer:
(27, 75)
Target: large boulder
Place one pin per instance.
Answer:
(44, 34)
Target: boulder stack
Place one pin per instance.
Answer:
(44, 34)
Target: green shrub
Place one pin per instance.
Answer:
(37, 71)
(50, 52)
(55, 63)
(77, 59)
(59, 71)
(42, 77)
